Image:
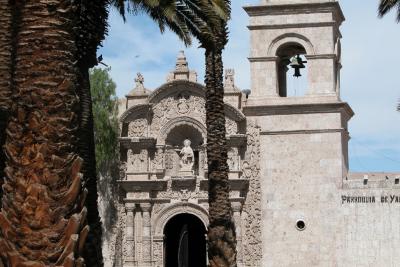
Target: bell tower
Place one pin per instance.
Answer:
(303, 139)
(282, 29)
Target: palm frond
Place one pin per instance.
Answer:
(386, 6)
(203, 19)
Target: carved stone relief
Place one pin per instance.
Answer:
(231, 126)
(122, 170)
(169, 161)
(158, 160)
(172, 107)
(252, 250)
(137, 128)
(137, 162)
(233, 159)
(158, 253)
(182, 193)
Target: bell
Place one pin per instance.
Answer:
(297, 63)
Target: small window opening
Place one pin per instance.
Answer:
(292, 70)
(300, 225)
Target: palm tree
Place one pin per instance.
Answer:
(93, 17)
(5, 75)
(206, 20)
(44, 218)
(386, 6)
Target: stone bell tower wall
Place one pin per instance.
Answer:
(303, 161)
(314, 212)
(314, 25)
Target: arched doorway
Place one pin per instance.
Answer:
(185, 242)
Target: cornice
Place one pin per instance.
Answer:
(143, 186)
(292, 25)
(136, 109)
(298, 109)
(288, 9)
(169, 87)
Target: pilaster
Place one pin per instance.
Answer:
(146, 234)
(130, 236)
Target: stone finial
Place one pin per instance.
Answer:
(229, 83)
(139, 80)
(139, 89)
(181, 63)
(182, 71)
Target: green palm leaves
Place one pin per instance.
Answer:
(202, 19)
(386, 6)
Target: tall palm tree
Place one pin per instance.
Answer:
(207, 21)
(44, 218)
(5, 75)
(93, 18)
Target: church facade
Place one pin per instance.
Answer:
(294, 201)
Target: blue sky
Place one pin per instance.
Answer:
(370, 74)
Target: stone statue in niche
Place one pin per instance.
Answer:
(187, 157)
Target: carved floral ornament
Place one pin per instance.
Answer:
(137, 128)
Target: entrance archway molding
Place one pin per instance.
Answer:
(175, 209)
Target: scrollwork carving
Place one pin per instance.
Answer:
(158, 161)
(252, 250)
(233, 161)
(231, 126)
(137, 128)
(172, 107)
(137, 162)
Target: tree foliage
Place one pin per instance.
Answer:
(105, 111)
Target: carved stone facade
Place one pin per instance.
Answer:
(164, 166)
(287, 156)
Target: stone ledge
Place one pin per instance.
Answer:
(143, 186)
(143, 142)
(236, 139)
(235, 184)
(300, 108)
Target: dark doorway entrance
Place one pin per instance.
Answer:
(185, 242)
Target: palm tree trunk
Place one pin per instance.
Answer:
(43, 220)
(221, 230)
(6, 16)
(93, 18)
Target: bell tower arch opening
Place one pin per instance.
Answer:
(185, 242)
(292, 70)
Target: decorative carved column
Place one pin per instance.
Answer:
(130, 236)
(146, 245)
(237, 208)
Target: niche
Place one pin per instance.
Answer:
(292, 83)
